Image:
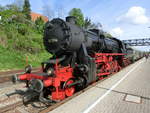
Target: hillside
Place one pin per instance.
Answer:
(20, 38)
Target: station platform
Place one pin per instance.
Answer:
(127, 91)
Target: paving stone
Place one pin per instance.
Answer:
(132, 98)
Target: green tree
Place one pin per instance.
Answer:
(26, 9)
(76, 12)
(87, 23)
(108, 35)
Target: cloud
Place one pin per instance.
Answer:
(117, 32)
(135, 15)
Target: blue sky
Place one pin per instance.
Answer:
(125, 19)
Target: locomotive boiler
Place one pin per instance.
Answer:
(80, 57)
(63, 37)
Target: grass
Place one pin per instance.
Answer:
(17, 60)
(15, 50)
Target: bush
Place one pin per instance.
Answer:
(39, 24)
(22, 29)
(3, 39)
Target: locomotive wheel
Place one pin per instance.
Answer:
(69, 91)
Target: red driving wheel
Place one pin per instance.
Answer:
(69, 91)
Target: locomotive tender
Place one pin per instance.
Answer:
(80, 57)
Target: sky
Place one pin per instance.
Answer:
(124, 19)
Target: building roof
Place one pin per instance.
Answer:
(34, 16)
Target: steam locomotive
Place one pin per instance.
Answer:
(80, 57)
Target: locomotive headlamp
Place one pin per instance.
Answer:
(53, 40)
(28, 68)
(49, 71)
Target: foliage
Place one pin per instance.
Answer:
(39, 24)
(12, 7)
(3, 38)
(22, 29)
(76, 12)
(8, 13)
(108, 35)
(87, 23)
(26, 9)
(20, 37)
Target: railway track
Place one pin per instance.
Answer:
(11, 107)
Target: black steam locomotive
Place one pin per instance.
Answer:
(80, 57)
